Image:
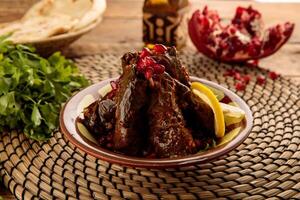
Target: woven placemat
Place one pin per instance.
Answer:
(266, 165)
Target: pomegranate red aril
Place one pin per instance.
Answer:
(246, 79)
(145, 52)
(114, 85)
(149, 73)
(232, 30)
(239, 86)
(253, 63)
(230, 72)
(147, 65)
(261, 79)
(237, 76)
(158, 68)
(273, 75)
(159, 49)
(144, 62)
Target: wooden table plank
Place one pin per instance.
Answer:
(129, 12)
(132, 9)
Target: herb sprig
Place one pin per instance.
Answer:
(32, 89)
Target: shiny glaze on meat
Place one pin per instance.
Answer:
(168, 134)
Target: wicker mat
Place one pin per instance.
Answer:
(266, 165)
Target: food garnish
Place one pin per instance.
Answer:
(242, 40)
(154, 111)
(208, 96)
(32, 89)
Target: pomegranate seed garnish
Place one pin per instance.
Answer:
(149, 73)
(246, 79)
(260, 79)
(145, 52)
(144, 62)
(158, 68)
(114, 85)
(240, 86)
(159, 48)
(273, 75)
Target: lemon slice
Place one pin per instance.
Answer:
(208, 96)
(232, 114)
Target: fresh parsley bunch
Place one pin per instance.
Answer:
(32, 89)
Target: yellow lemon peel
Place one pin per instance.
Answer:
(208, 96)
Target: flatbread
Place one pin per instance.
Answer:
(97, 9)
(73, 8)
(42, 28)
(49, 18)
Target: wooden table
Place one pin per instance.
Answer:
(122, 24)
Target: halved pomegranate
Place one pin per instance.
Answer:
(244, 39)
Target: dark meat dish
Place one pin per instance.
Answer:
(151, 110)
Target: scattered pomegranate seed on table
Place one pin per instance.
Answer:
(246, 78)
(260, 79)
(273, 75)
(240, 86)
(237, 76)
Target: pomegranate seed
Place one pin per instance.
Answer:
(226, 100)
(237, 76)
(273, 75)
(158, 68)
(246, 79)
(240, 86)
(144, 62)
(114, 85)
(159, 48)
(260, 79)
(253, 63)
(145, 52)
(230, 72)
(149, 73)
(232, 30)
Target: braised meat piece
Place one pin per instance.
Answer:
(173, 65)
(198, 114)
(99, 119)
(168, 135)
(131, 100)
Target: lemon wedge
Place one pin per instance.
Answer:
(208, 96)
(232, 114)
(159, 1)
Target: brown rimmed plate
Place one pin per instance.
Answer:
(84, 141)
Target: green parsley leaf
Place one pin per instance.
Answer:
(33, 88)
